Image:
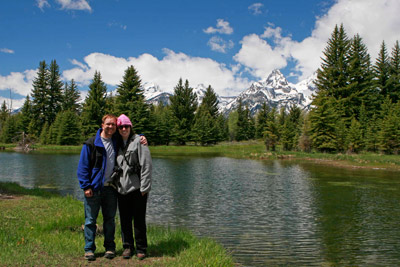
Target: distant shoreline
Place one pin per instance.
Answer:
(254, 150)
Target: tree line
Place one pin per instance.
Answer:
(356, 108)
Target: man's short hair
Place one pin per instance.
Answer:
(108, 116)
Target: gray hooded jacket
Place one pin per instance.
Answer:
(135, 161)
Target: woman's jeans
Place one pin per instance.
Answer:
(107, 200)
(133, 206)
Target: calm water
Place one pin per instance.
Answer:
(265, 213)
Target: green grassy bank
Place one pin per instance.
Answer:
(256, 150)
(38, 228)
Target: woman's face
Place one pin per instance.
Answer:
(124, 131)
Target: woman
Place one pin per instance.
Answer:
(134, 185)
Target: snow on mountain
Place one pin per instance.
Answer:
(275, 90)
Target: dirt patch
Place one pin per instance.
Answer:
(8, 197)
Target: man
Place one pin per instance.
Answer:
(95, 170)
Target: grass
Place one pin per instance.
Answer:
(38, 228)
(254, 149)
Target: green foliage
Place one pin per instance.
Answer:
(94, 106)
(69, 129)
(183, 107)
(261, 120)
(130, 101)
(71, 97)
(245, 123)
(271, 133)
(9, 130)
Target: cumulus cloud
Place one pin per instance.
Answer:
(165, 72)
(18, 82)
(259, 56)
(256, 8)
(74, 5)
(220, 45)
(6, 50)
(374, 20)
(222, 28)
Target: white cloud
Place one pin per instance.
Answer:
(374, 20)
(18, 82)
(42, 4)
(220, 45)
(256, 8)
(259, 56)
(6, 50)
(222, 28)
(74, 5)
(165, 72)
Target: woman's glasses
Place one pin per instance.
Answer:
(123, 126)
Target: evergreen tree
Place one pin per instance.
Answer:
(25, 115)
(272, 131)
(381, 71)
(305, 143)
(4, 114)
(323, 120)
(394, 74)
(360, 86)
(389, 133)
(205, 130)
(233, 125)
(242, 123)
(290, 132)
(71, 96)
(210, 102)
(331, 76)
(43, 138)
(69, 129)
(94, 106)
(130, 101)
(223, 128)
(161, 117)
(183, 107)
(371, 139)
(54, 94)
(261, 120)
(40, 101)
(9, 130)
(354, 138)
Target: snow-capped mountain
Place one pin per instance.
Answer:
(153, 94)
(275, 90)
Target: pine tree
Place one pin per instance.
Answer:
(323, 120)
(130, 101)
(25, 115)
(242, 123)
(94, 106)
(205, 130)
(261, 120)
(71, 96)
(210, 102)
(360, 86)
(40, 100)
(161, 124)
(54, 94)
(183, 107)
(272, 131)
(354, 138)
(394, 74)
(331, 76)
(233, 125)
(305, 143)
(381, 71)
(4, 114)
(9, 130)
(389, 133)
(69, 129)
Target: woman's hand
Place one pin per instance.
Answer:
(143, 140)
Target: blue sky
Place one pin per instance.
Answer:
(225, 43)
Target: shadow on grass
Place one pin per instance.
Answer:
(9, 188)
(168, 248)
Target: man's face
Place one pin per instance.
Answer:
(109, 127)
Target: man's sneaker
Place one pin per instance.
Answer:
(89, 256)
(141, 256)
(110, 254)
(127, 254)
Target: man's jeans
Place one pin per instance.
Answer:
(107, 200)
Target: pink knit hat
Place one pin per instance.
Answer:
(123, 120)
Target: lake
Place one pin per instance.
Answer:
(266, 213)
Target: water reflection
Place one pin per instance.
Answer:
(266, 212)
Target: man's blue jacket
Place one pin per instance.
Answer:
(91, 167)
